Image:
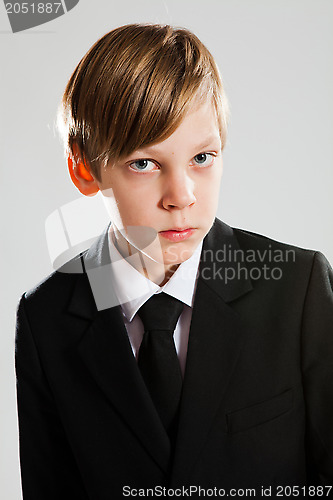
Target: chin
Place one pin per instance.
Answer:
(178, 254)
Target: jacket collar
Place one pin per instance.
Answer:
(221, 259)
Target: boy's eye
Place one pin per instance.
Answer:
(142, 165)
(203, 159)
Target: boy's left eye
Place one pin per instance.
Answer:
(203, 159)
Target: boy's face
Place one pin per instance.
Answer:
(169, 186)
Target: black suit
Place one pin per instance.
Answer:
(257, 404)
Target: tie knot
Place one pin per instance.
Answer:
(160, 312)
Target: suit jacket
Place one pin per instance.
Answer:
(257, 402)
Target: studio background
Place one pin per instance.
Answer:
(275, 57)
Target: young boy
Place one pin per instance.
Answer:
(177, 356)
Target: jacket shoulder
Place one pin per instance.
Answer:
(253, 248)
(59, 284)
(249, 239)
(302, 258)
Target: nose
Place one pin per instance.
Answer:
(178, 191)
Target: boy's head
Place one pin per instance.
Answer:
(145, 120)
(133, 88)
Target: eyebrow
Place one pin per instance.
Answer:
(208, 141)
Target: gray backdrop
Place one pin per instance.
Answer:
(276, 60)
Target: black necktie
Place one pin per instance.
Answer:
(158, 360)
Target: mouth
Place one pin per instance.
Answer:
(177, 234)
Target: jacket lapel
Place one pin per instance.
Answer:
(215, 341)
(107, 353)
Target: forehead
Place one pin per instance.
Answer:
(198, 129)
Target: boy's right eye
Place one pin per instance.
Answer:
(142, 165)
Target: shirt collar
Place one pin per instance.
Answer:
(133, 289)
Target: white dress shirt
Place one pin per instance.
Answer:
(133, 289)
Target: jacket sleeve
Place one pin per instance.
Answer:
(48, 468)
(317, 369)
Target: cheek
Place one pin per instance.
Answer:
(207, 191)
(135, 206)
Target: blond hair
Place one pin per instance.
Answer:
(134, 87)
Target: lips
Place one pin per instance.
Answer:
(177, 234)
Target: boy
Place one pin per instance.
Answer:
(176, 352)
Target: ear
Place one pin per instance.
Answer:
(80, 174)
